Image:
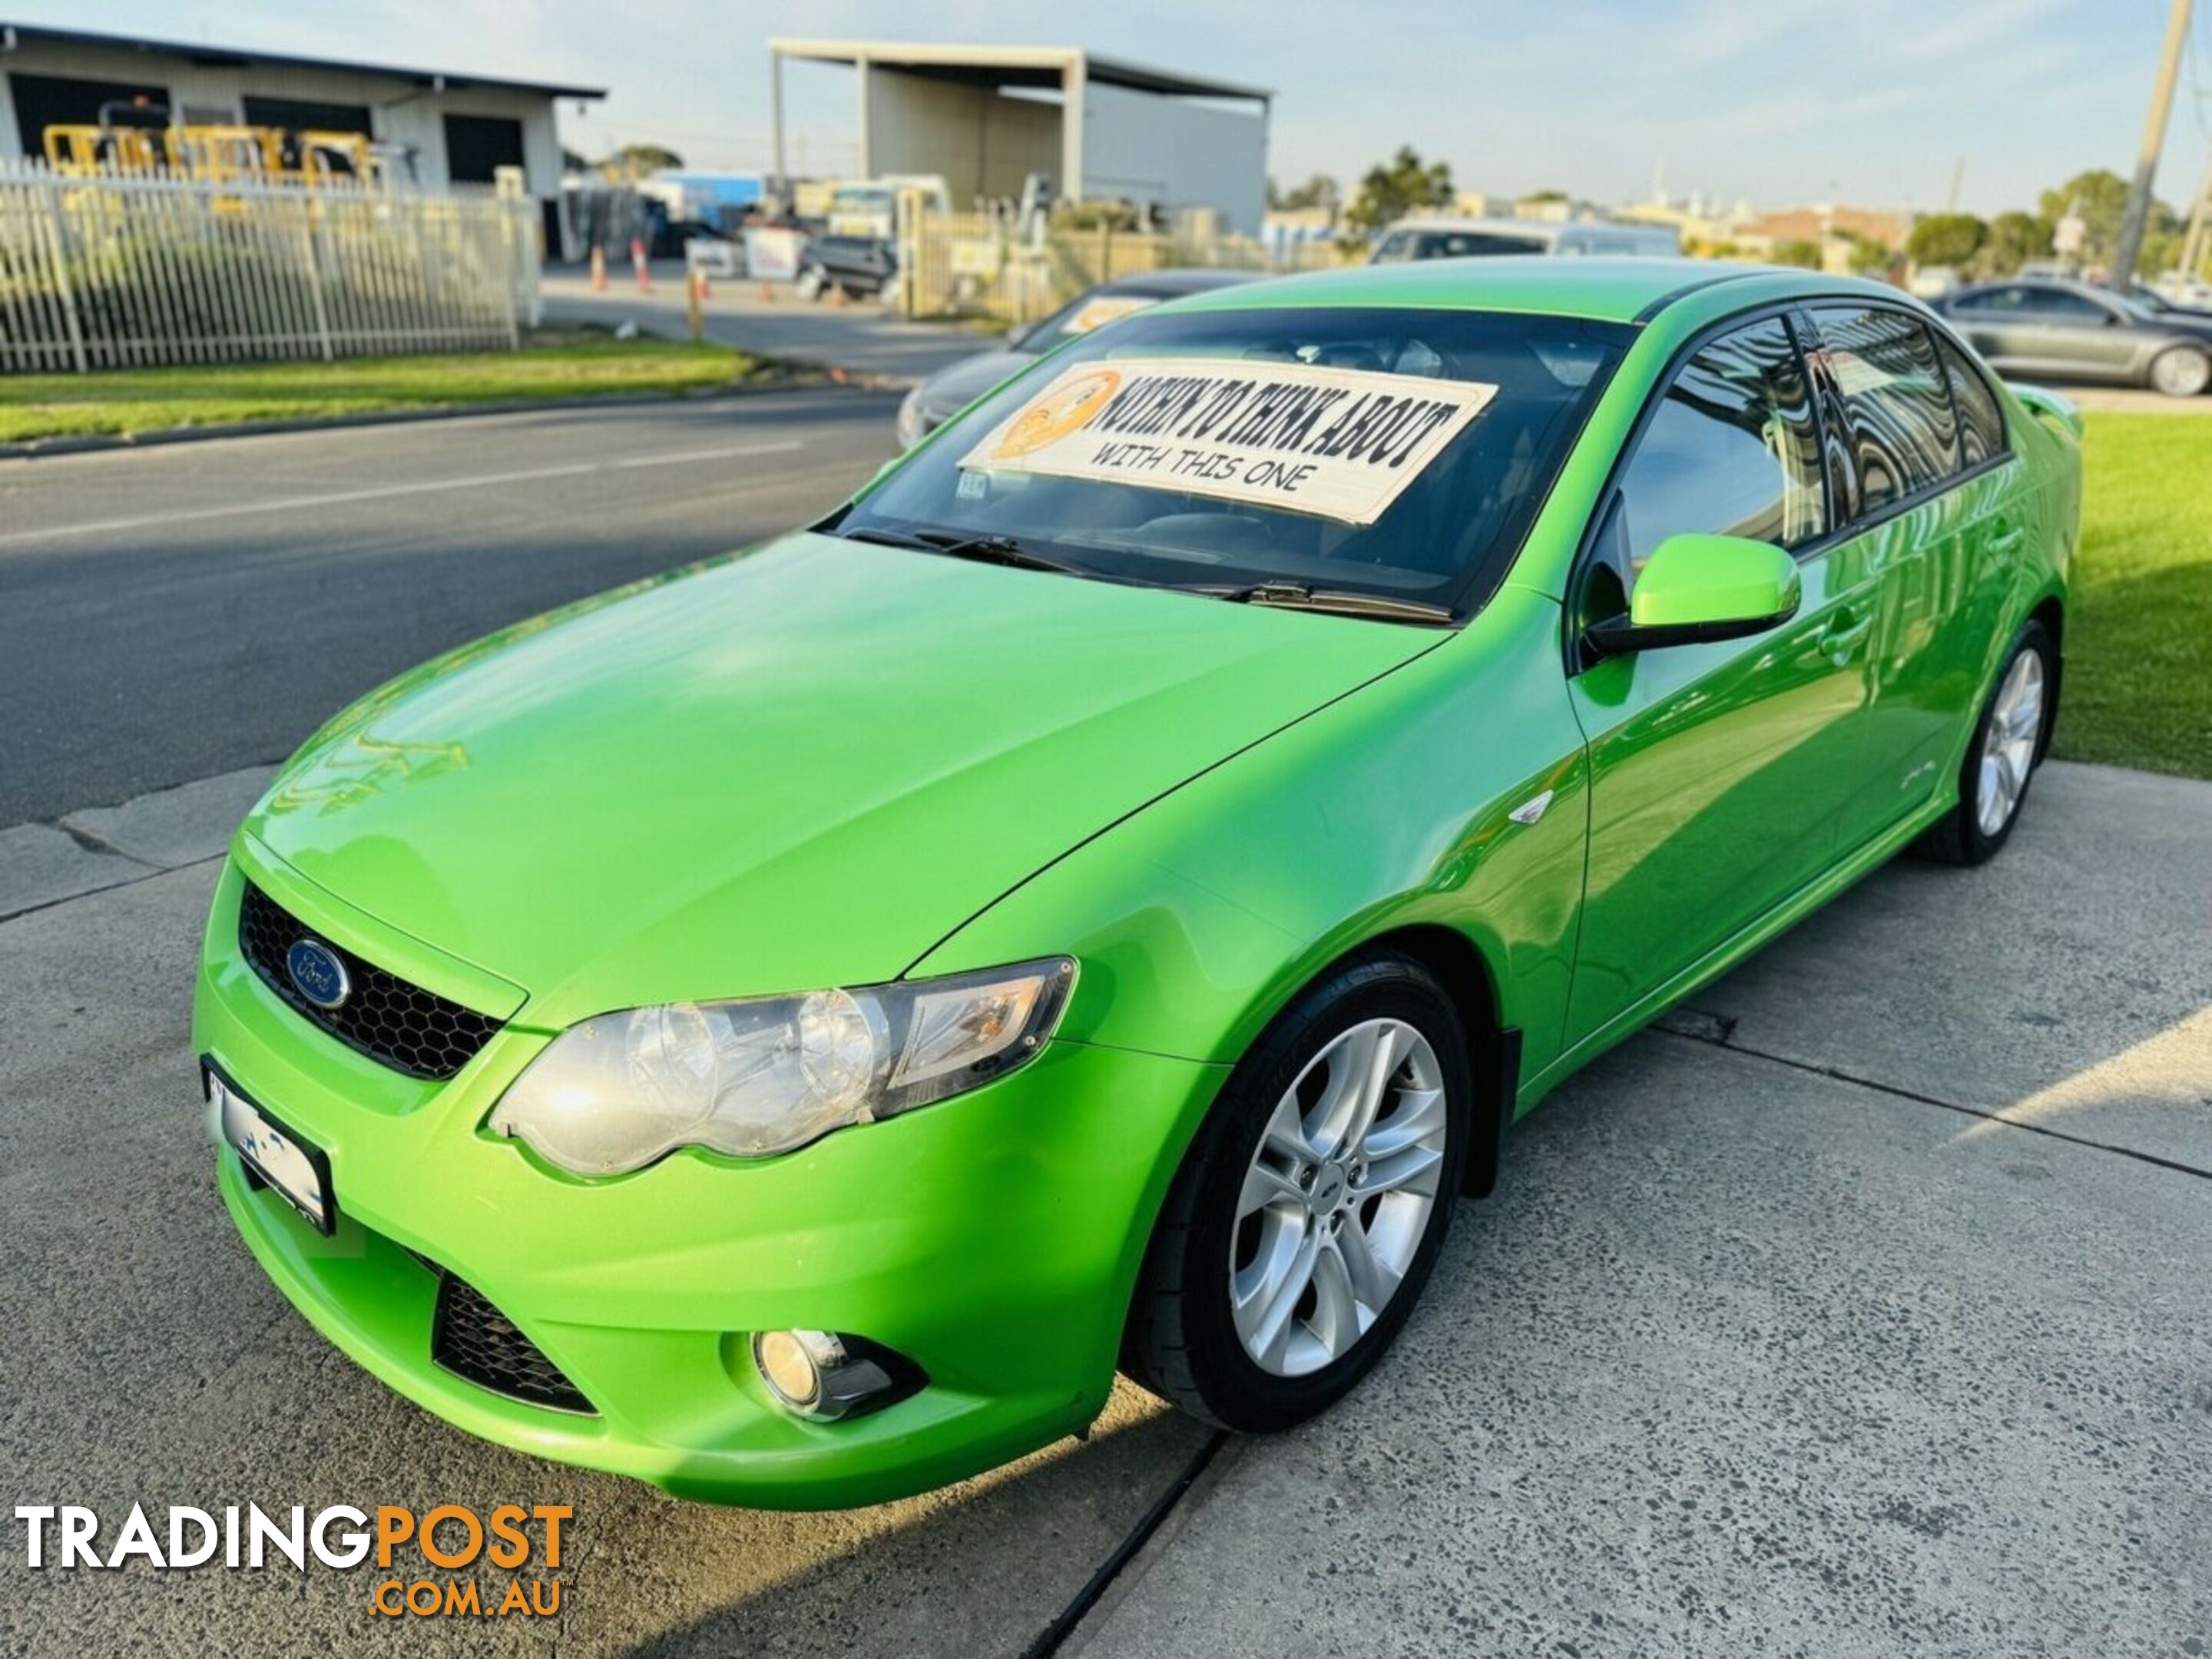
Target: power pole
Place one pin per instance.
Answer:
(2193, 250)
(2161, 105)
(1958, 180)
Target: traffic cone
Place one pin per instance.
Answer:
(598, 268)
(706, 286)
(637, 263)
(767, 292)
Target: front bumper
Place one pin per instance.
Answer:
(994, 1239)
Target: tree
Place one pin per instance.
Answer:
(2100, 197)
(1946, 239)
(636, 161)
(2014, 239)
(1869, 258)
(1392, 191)
(1319, 191)
(1798, 250)
(572, 162)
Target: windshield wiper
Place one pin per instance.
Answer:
(1296, 596)
(984, 550)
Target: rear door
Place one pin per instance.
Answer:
(1718, 771)
(1918, 528)
(1938, 519)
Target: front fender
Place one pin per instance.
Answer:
(1197, 919)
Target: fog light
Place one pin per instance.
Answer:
(823, 1376)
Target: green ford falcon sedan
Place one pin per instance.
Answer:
(791, 1029)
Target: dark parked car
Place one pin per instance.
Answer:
(2159, 305)
(2048, 329)
(863, 266)
(950, 390)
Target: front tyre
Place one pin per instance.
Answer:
(1309, 1210)
(2001, 761)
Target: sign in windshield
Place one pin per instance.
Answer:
(1339, 443)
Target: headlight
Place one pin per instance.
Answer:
(914, 423)
(757, 1078)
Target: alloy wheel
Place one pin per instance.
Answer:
(2183, 373)
(1337, 1197)
(2016, 726)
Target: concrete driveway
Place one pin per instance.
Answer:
(1863, 1310)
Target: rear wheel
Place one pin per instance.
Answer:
(2001, 761)
(1310, 1210)
(2181, 372)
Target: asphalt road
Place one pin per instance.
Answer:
(172, 613)
(1864, 1310)
(860, 337)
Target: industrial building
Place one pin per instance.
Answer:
(456, 128)
(986, 118)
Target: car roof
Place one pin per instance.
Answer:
(1621, 290)
(1183, 280)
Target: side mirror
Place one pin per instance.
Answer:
(2048, 405)
(1696, 589)
(1018, 333)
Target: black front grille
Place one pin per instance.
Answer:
(406, 1027)
(474, 1341)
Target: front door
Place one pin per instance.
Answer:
(2040, 328)
(1717, 771)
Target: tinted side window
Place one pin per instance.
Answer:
(2058, 304)
(1981, 424)
(1902, 428)
(1461, 245)
(1732, 449)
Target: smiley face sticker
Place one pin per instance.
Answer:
(1063, 408)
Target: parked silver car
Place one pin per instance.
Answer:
(949, 391)
(2047, 328)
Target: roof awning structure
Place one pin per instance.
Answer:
(214, 57)
(1014, 66)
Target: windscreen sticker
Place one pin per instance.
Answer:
(1105, 308)
(1339, 443)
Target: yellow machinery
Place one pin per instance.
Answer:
(226, 153)
(81, 151)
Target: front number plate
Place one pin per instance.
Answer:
(295, 1171)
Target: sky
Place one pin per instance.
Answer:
(1776, 102)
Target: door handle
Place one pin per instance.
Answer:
(1843, 636)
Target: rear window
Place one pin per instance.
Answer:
(1981, 424)
(1396, 452)
(1902, 432)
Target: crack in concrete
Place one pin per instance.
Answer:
(1055, 1635)
(1687, 1031)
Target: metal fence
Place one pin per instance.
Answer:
(974, 265)
(135, 269)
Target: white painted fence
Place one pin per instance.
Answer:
(137, 269)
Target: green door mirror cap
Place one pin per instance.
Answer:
(1698, 588)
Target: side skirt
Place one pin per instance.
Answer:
(1784, 916)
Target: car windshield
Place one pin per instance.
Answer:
(1079, 316)
(1416, 445)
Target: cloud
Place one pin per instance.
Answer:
(1777, 99)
